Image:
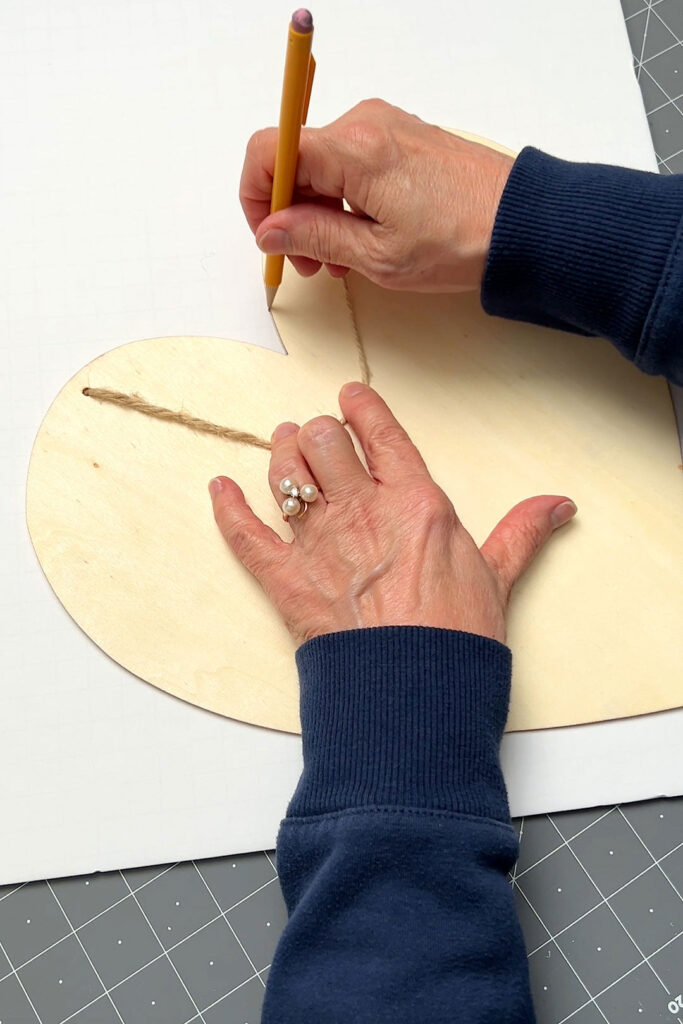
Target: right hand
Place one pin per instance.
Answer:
(422, 201)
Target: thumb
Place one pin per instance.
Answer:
(319, 233)
(519, 536)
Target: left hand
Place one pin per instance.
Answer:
(382, 546)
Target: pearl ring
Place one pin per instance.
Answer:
(298, 498)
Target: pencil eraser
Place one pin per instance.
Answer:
(302, 21)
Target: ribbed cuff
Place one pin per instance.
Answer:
(403, 716)
(661, 346)
(583, 247)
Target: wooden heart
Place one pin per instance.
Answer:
(121, 522)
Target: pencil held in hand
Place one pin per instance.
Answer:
(296, 92)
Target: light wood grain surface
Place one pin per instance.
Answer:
(121, 521)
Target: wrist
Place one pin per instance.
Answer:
(479, 175)
(403, 716)
(497, 185)
(582, 246)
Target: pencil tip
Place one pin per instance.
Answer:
(270, 296)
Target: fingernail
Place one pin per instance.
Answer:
(562, 513)
(353, 389)
(274, 241)
(284, 430)
(215, 486)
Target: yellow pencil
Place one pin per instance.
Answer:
(296, 93)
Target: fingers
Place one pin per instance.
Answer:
(319, 171)
(256, 182)
(335, 270)
(389, 451)
(307, 268)
(258, 548)
(304, 266)
(328, 450)
(332, 162)
(287, 462)
(520, 535)
(318, 179)
(320, 233)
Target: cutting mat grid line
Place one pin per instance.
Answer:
(604, 899)
(598, 892)
(544, 899)
(75, 929)
(629, 925)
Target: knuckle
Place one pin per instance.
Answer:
(287, 469)
(319, 241)
(373, 106)
(238, 537)
(385, 256)
(369, 139)
(529, 534)
(520, 537)
(255, 558)
(320, 429)
(259, 140)
(367, 135)
(431, 505)
(387, 437)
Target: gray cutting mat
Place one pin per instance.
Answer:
(598, 892)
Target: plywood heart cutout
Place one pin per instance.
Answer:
(120, 518)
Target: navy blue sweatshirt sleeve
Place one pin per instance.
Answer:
(593, 249)
(394, 854)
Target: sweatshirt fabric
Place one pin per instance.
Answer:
(395, 851)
